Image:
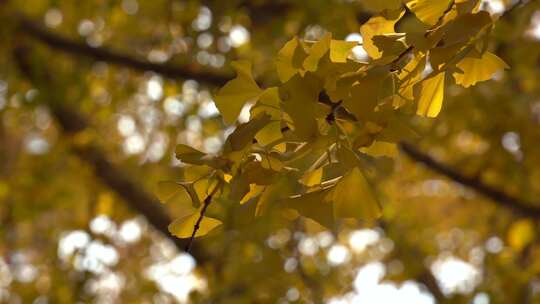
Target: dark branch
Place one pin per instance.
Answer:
(517, 205)
(58, 42)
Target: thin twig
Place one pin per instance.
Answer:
(206, 203)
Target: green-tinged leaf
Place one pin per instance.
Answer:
(478, 69)
(317, 51)
(274, 193)
(166, 190)
(183, 227)
(244, 133)
(299, 99)
(189, 155)
(289, 60)
(367, 92)
(354, 198)
(314, 205)
(193, 156)
(430, 94)
(429, 11)
(464, 28)
(340, 50)
(232, 97)
(269, 102)
(312, 178)
(255, 173)
(381, 148)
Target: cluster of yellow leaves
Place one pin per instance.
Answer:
(316, 143)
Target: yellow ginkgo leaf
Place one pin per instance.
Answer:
(381, 148)
(289, 59)
(521, 234)
(189, 155)
(354, 198)
(317, 51)
(340, 50)
(429, 11)
(300, 95)
(314, 205)
(233, 96)
(430, 94)
(312, 178)
(478, 69)
(377, 26)
(269, 103)
(183, 227)
(244, 133)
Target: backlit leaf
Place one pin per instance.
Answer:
(377, 25)
(429, 94)
(244, 133)
(233, 96)
(289, 60)
(478, 69)
(183, 227)
(429, 11)
(317, 51)
(300, 95)
(340, 50)
(354, 198)
(314, 205)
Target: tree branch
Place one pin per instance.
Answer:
(502, 199)
(58, 42)
(133, 194)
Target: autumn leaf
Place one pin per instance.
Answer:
(236, 93)
(340, 50)
(474, 69)
(430, 94)
(354, 198)
(183, 227)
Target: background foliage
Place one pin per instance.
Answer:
(98, 98)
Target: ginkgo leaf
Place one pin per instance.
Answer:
(189, 155)
(464, 28)
(375, 26)
(367, 92)
(317, 51)
(478, 69)
(312, 178)
(430, 94)
(183, 227)
(314, 205)
(429, 11)
(354, 198)
(289, 60)
(167, 190)
(232, 97)
(299, 97)
(381, 148)
(244, 133)
(340, 50)
(269, 102)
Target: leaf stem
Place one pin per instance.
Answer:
(206, 203)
